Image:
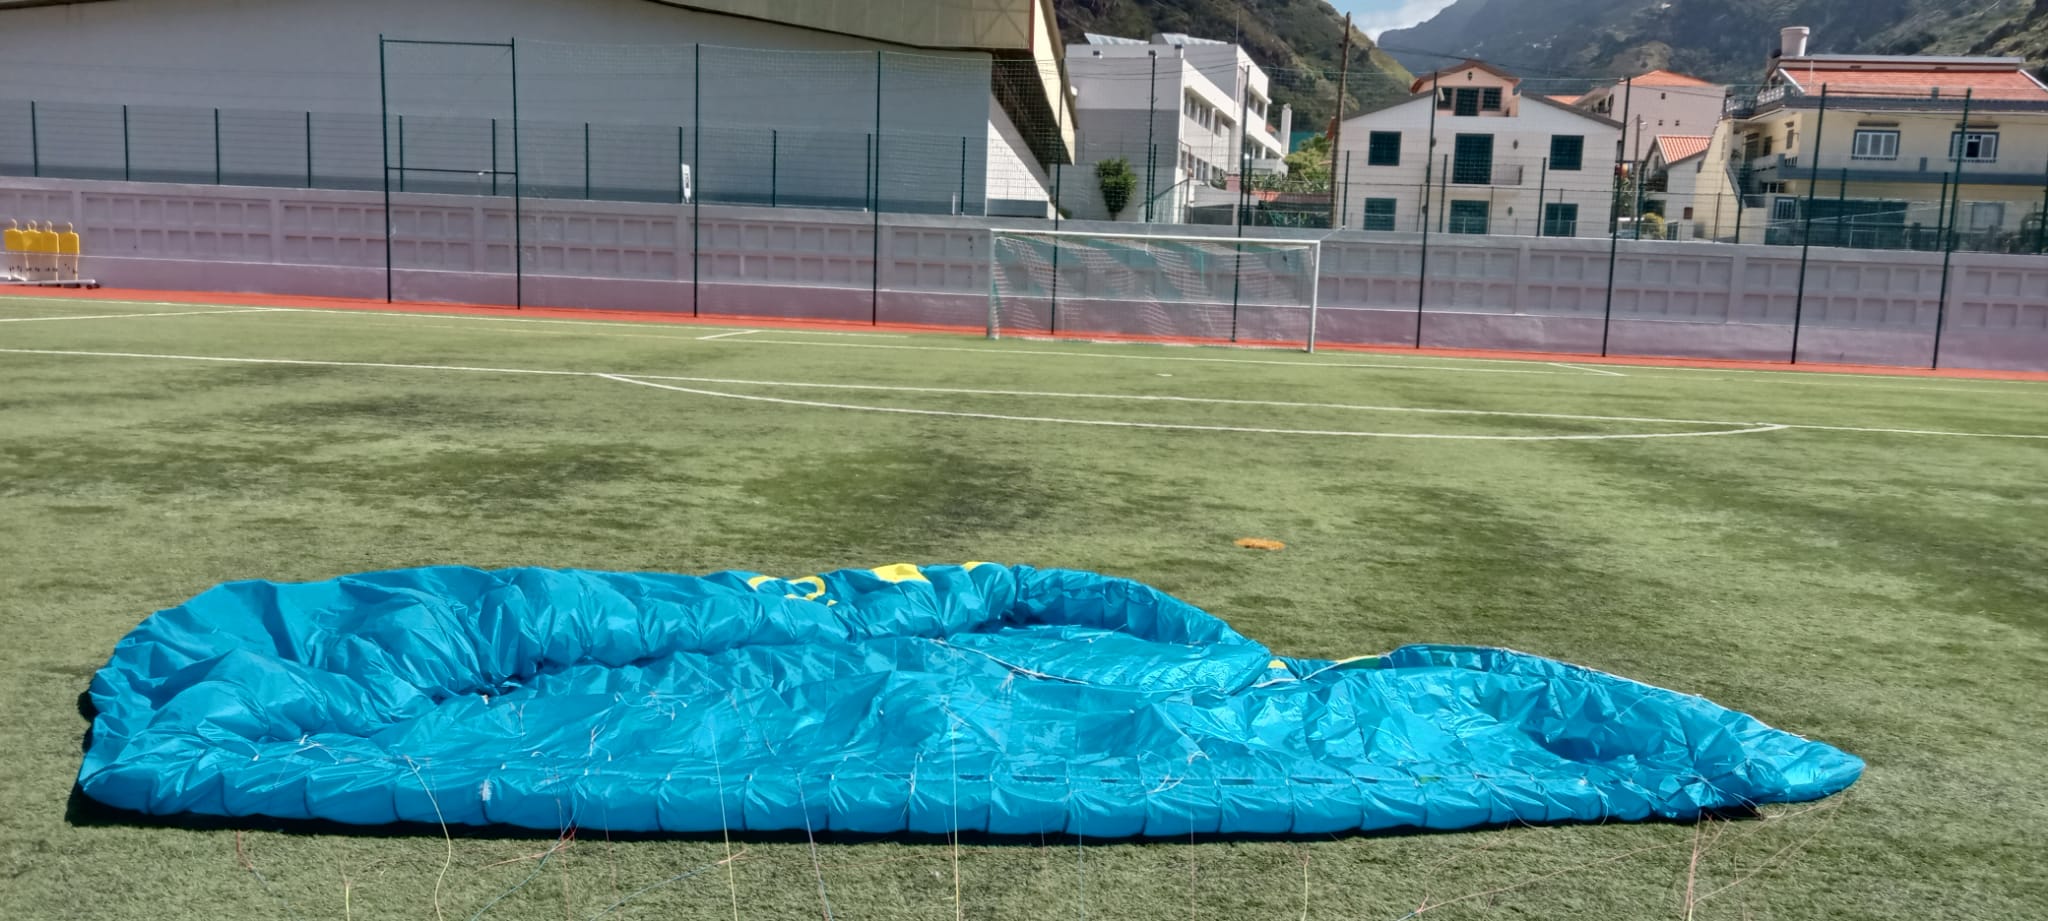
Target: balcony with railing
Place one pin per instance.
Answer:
(1849, 96)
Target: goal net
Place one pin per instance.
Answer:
(1145, 287)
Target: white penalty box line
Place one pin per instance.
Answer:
(650, 380)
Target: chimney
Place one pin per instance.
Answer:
(1792, 41)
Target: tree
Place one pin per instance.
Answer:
(1118, 182)
(1309, 165)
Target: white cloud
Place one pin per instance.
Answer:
(1375, 16)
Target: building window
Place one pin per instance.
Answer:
(1987, 215)
(1567, 151)
(1876, 145)
(1766, 150)
(1472, 159)
(1468, 217)
(1489, 99)
(1463, 101)
(1973, 145)
(1383, 148)
(1379, 214)
(1791, 137)
(1561, 219)
(1785, 209)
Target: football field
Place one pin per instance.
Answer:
(1854, 557)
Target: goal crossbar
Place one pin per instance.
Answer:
(1303, 243)
(1313, 246)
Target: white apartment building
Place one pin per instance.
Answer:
(1179, 109)
(1477, 156)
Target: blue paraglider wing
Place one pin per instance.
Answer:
(984, 697)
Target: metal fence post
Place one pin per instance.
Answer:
(1614, 215)
(586, 161)
(1344, 207)
(309, 153)
(127, 172)
(35, 142)
(401, 152)
(494, 156)
(1542, 177)
(2041, 226)
(774, 164)
(1806, 232)
(961, 207)
(1151, 114)
(1841, 204)
(875, 233)
(384, 126)
(1428, 162)
(696, 193)
(216, 147)
(518, 188)
(1948, 249)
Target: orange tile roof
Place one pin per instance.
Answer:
(1678, 147)
(1668, 78)
(2003, 84)
(1566, 99)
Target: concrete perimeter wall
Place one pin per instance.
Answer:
(1540, 294)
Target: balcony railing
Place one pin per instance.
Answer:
(1786, 96)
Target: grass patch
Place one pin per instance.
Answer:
(1881, 592)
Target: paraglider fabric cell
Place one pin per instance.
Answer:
(983, 697)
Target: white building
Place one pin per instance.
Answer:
(1656, 103)
(763, 100)
(1477, 156)
(1179, 110)
(1671, 177)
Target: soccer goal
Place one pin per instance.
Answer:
(1250, 291)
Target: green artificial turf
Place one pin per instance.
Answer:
(1885, 592)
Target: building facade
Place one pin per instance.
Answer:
(1658, 102)
(1671, 174)
(1881, 151)
(1188, 115)
(939, 106)
(1469, 153)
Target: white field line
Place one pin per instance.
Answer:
(648, 380)
(1115, 357)
(737, 332)
(1218, 401)
(120, 316)
(1852, 428)
(1875, 381)
(1559, 364)
(629, 324)
(936, 348)
(1177, 426)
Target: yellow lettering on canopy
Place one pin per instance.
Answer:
(756, 581)
(811, 580)
(900, 572)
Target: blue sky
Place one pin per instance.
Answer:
(1375, 16)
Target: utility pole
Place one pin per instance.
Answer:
(1337, 126)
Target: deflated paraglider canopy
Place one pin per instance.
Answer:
(982, 697)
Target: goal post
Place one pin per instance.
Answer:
(1248, 291)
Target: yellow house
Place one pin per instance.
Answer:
(1873, 151)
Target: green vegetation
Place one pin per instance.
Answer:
(1883, 592)
(1117, 182)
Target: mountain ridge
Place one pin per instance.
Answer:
(1574, 43)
